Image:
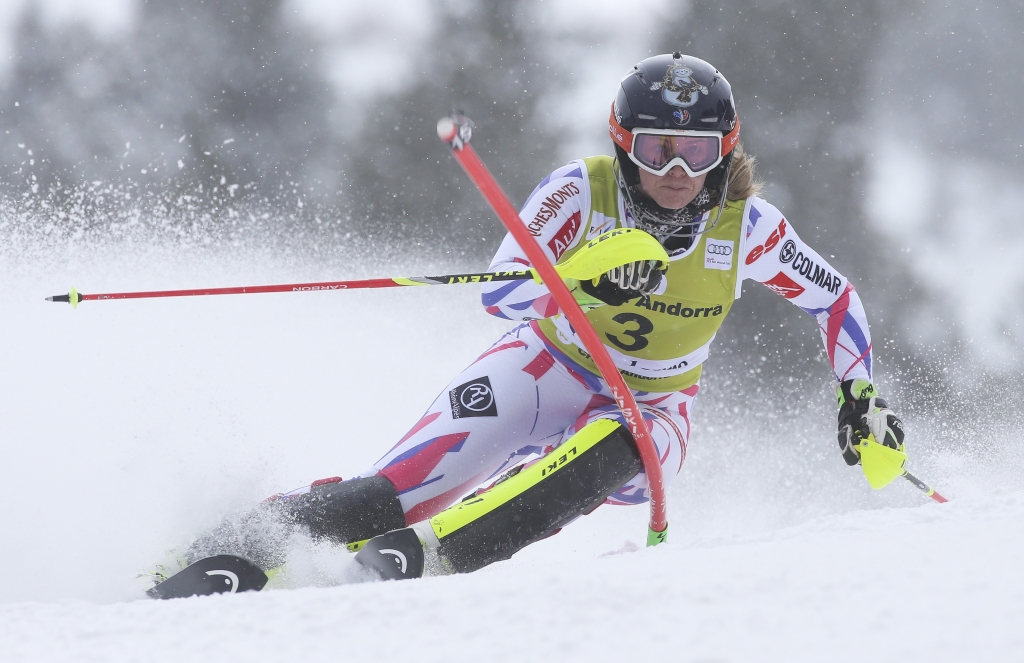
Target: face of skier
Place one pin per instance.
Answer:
(673, 190)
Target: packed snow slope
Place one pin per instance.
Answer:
(931, 583)
(130, 426)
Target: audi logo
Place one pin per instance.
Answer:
(719, 250)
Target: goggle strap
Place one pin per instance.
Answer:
(622, 137)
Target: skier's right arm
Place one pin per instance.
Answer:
(555, 216)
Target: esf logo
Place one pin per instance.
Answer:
(769, 244)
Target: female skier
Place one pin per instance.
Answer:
(681, 176)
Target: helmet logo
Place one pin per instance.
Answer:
(678, 87)
(682, 116)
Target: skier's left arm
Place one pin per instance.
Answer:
(774, 255)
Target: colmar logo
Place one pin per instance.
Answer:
(772, 241)
(785, 286)
(816, 274)
(788, 251)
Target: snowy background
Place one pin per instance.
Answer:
(166, 145)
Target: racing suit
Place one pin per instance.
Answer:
(537, 385)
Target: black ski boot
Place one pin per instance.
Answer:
(342, 512)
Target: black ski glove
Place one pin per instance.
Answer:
(632, 280)
(861, 413)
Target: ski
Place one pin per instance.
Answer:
(220, 574)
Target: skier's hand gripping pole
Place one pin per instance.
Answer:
(456, 131)
(871, 435)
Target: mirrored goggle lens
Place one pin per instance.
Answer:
(656, 151)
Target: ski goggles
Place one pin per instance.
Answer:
(659, 150)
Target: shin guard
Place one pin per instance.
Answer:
(572, 480)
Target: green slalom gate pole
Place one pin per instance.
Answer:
(456, 132)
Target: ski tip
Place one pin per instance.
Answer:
(220, 574)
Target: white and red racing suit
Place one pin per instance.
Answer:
(536, 386)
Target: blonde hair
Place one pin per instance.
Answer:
(743, 180)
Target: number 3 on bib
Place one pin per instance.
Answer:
(643, 327)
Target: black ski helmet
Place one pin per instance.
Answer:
(673, 93)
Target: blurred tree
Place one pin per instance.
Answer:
(801, 80)
(403, 184)
(211, 92)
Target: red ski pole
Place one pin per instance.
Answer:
(923, 487)
(456, 132)
(74, 297)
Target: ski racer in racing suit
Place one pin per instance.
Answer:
(531, 416)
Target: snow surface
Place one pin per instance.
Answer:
(128, 427)
(932, 583)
